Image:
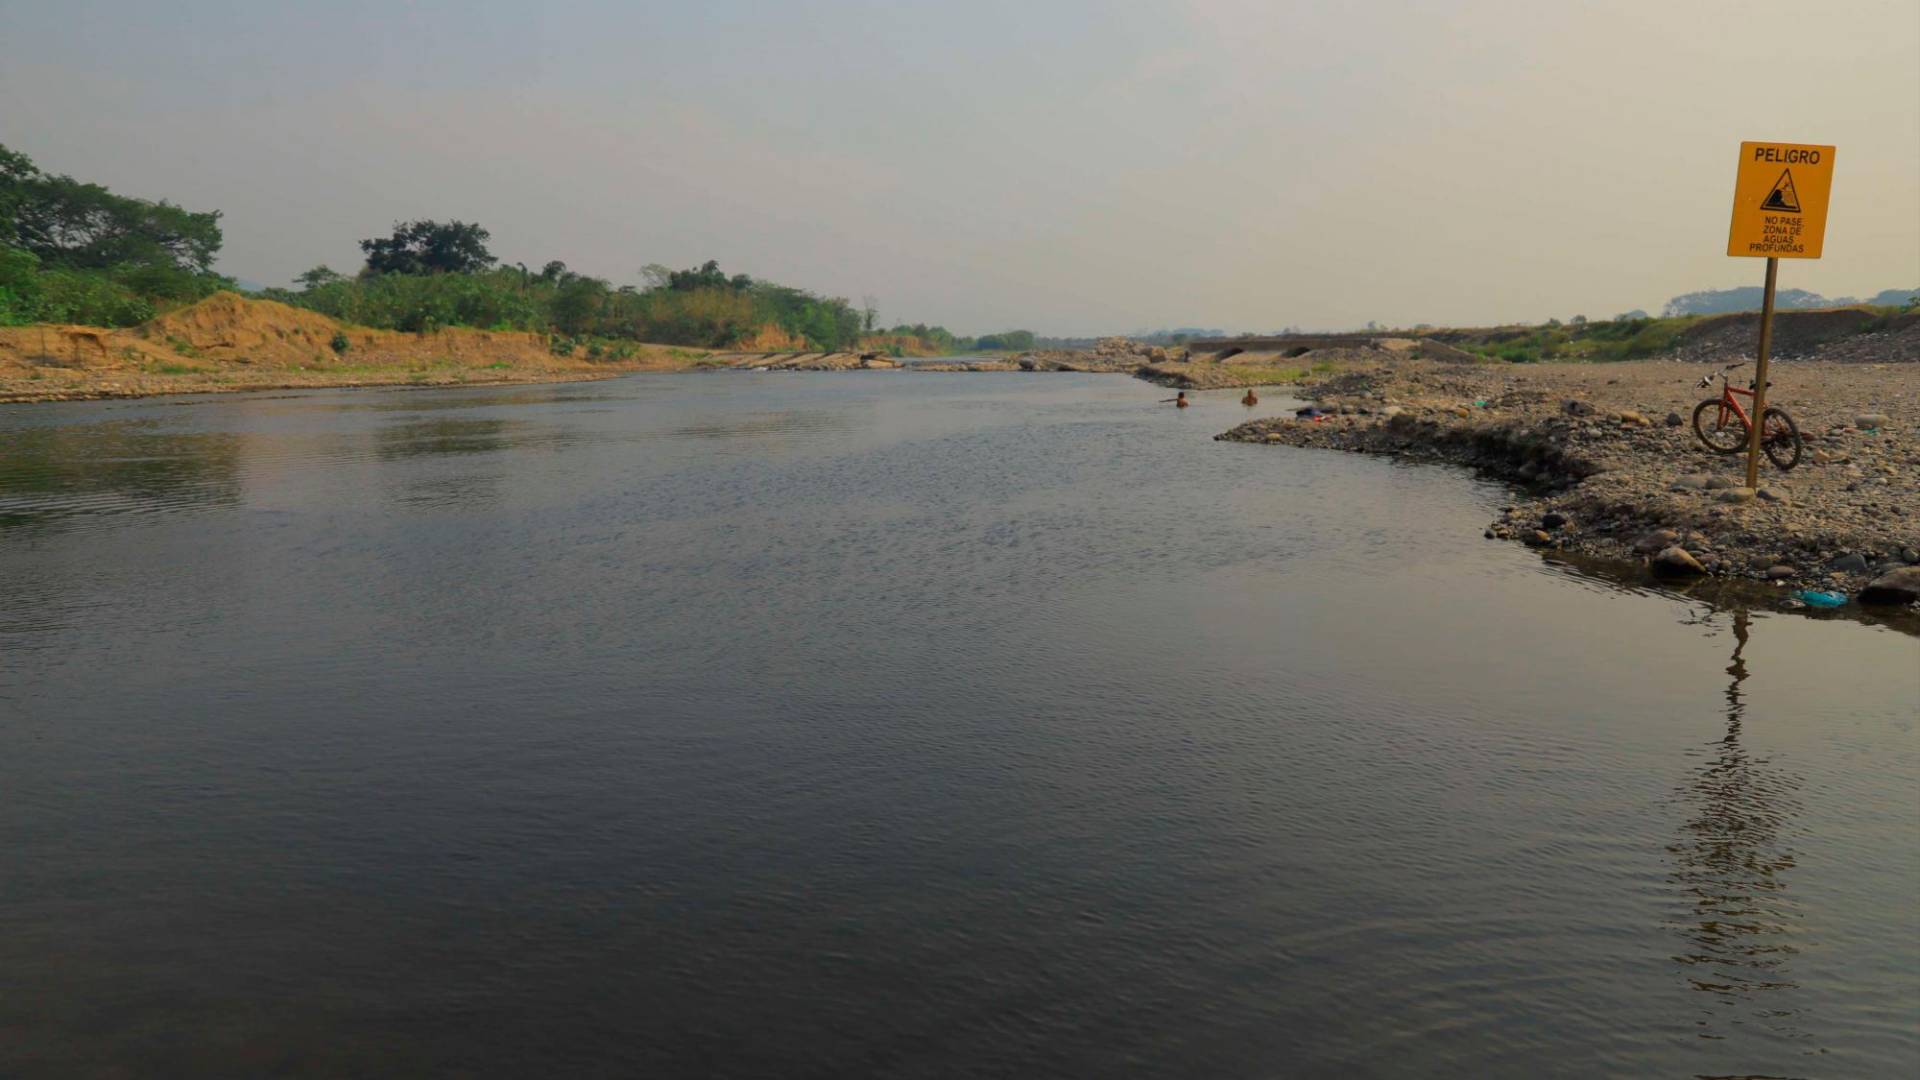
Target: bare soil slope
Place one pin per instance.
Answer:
(229, 342)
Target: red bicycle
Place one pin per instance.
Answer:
(1725, 427)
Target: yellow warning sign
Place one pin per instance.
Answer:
(1780, 200)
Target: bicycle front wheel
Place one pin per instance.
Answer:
(1719, 427)
(1780, 438)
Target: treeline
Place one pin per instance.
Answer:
(430, 274)
(75, 252)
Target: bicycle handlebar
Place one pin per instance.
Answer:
(1707, 379)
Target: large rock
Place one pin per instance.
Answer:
(1868, 421)
(1735, 495)
(1900, 586)
(1721, 483)
(1576, 407)
(1853, 563)
(1676, 562)
(1655, 540)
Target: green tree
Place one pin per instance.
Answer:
(316, 278)
(67, 223)
(577, 303)
(430, 247)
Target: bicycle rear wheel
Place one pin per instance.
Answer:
(1780, 438)
(1719, 427)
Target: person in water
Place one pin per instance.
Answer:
(1180, 400)
(1251, 399)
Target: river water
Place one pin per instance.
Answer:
(904, 725)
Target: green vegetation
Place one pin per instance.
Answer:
(77, 253)
(1618, 339)
(699, 307)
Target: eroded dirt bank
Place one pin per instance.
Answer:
(228, 343)
(1607, 464)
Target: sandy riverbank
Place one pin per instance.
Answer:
(1607, 464)
(229, 343)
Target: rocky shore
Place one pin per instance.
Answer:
(1108, 356)
(1606, 464)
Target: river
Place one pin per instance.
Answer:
(900, 724)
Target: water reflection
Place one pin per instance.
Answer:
(760, 425)
(445, 436)
(49, 473)
(1730, 863)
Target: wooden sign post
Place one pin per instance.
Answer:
(1780, 212)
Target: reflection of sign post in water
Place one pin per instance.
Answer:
(1780, 212)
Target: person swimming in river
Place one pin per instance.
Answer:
(1179, 400)
(1251, 399)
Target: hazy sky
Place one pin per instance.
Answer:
(1065, 166)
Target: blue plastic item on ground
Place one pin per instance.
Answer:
(1820, 599)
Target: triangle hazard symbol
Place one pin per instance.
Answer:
(1782, 197)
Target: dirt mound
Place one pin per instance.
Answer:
(1899, 343)
(230, 342)
(229, 327)
(1795, 333)
(57, 345)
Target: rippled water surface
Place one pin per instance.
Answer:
(904, 725)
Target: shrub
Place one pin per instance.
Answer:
(339, 343)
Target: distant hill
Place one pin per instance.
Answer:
(1892, 297)
(1749, 297)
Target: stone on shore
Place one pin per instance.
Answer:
(1676, 561)
(1870, 421)
(1851, 563)
(1900, 586)
(1655, 540)
(1735, 495)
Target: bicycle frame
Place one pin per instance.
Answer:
(1730, 403)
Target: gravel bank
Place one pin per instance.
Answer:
(1606, 464)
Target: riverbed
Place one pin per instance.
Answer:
(900, 724)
